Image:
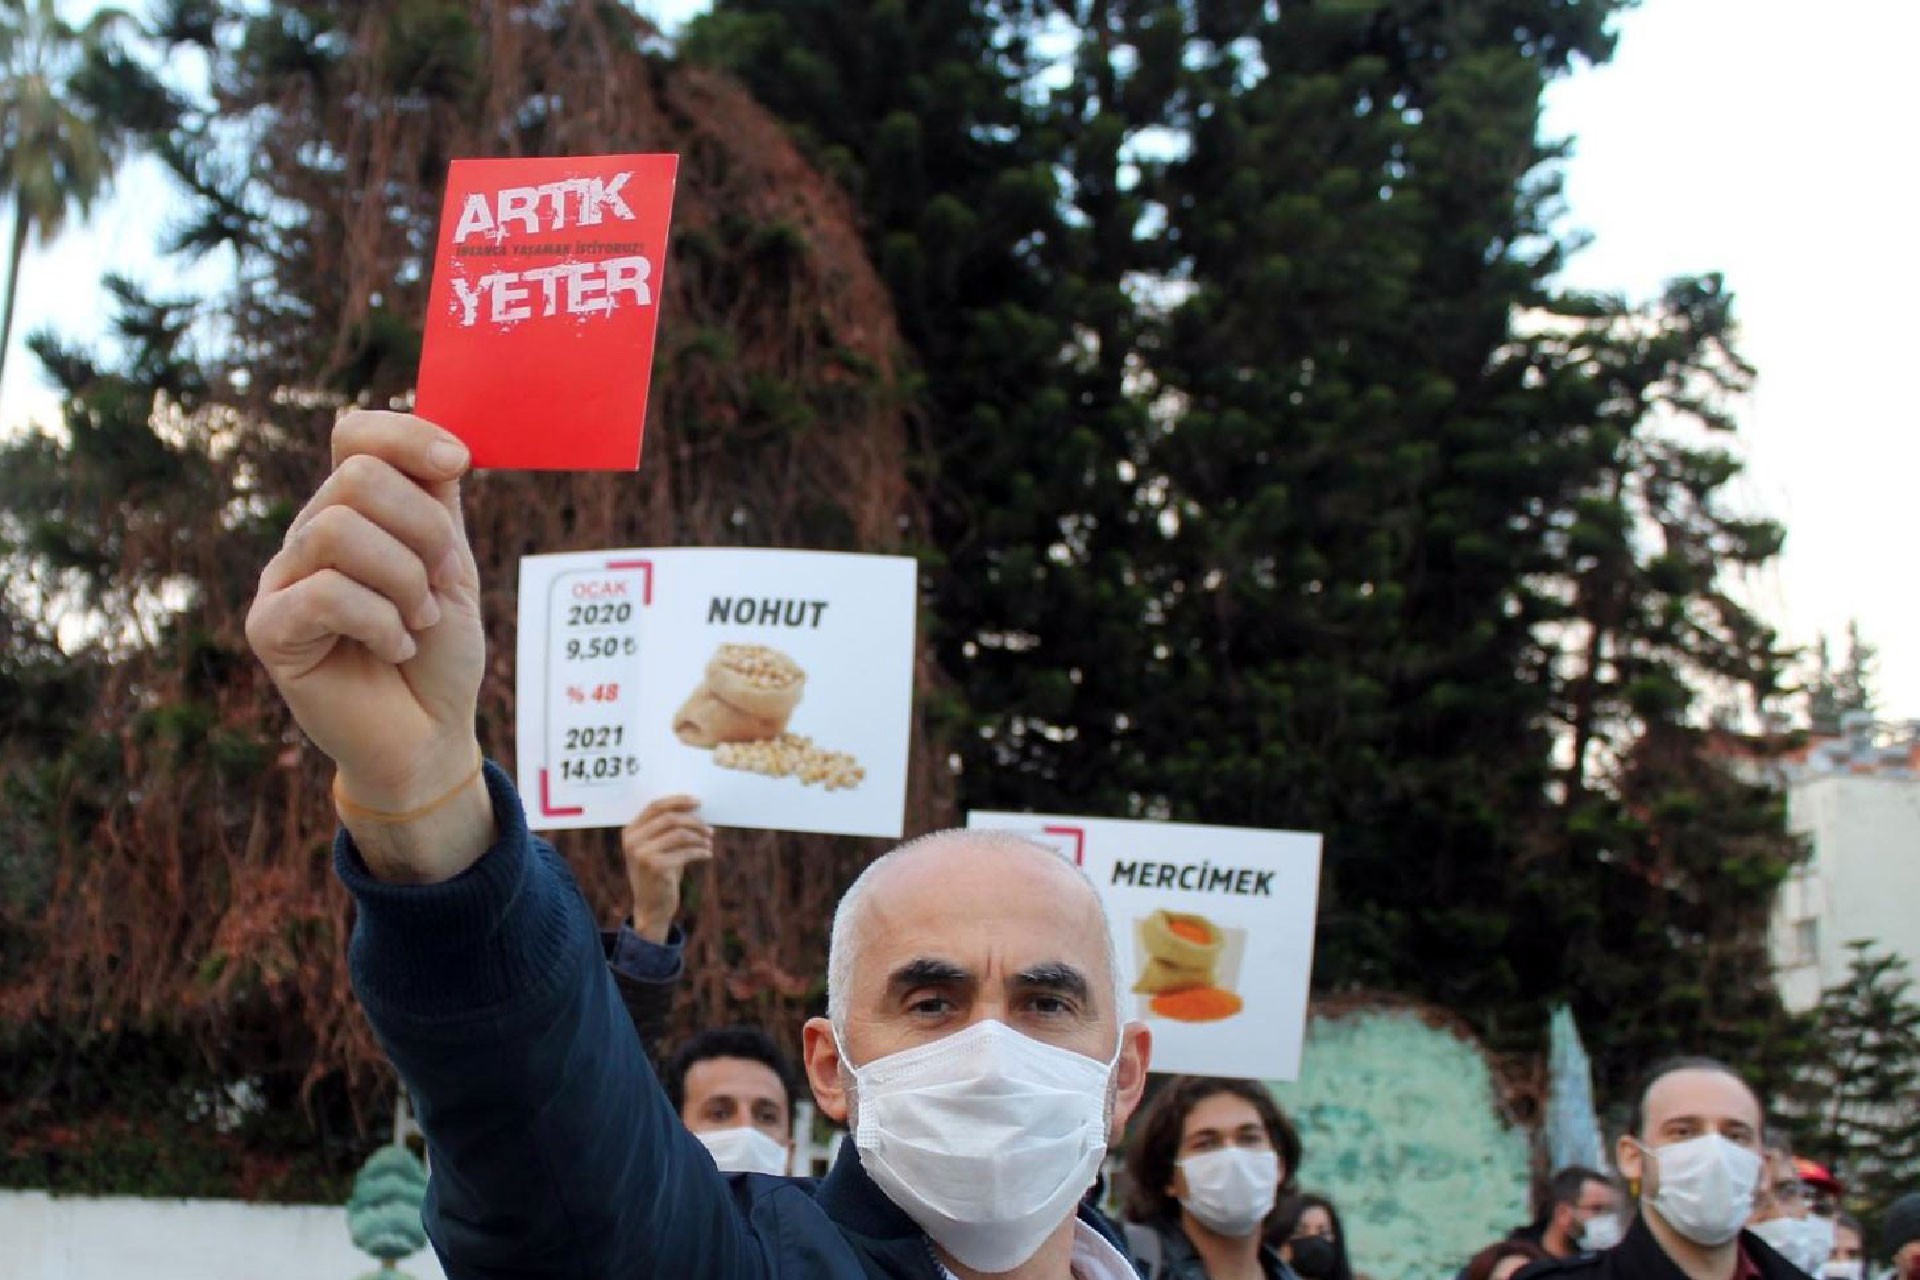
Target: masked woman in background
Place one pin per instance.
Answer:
(1307, 1231)
(1206, 1165)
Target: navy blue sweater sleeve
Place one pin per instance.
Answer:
(646, 974)
(632, 956)
(554, 1152)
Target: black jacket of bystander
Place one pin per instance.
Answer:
(1640, 1257)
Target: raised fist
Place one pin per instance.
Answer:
(368, 620)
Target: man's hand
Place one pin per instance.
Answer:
(657, 846)
(368, 620)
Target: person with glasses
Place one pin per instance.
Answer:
(1783, 1211)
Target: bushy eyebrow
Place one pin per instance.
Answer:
(1054, 976)
(1706, 1122)
(927, 971)
(1225, 1132)
(931, 971)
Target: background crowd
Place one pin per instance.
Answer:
(1210, 1183)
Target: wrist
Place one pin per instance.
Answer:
(429, 843)
(652, 914)
(437, 771)
(654, 926)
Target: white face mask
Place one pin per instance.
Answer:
(1231, 1190)
(1706, 1187)
(986, 1139)
(1805, 1242)
(1847, 1269)
(1816, 1243)
(1601, 1232)
(744, 1150)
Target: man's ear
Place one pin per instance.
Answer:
(1129, 1077)
(1631, 1162)
(822, 1053)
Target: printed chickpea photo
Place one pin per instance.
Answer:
(740, 713)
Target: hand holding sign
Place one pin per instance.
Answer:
(540, 325)
(368, 620)
(657, 847)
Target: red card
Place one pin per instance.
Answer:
(547, 281)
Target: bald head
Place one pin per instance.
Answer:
(1685, 1084)
(961, 899)
(964, 927)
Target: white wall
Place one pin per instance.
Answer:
(75, 1238)
(1863, 880)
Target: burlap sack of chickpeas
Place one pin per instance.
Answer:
(1175, 958)
(748, 695)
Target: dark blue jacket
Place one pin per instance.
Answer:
(554, 1152)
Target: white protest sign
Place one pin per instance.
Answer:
(1214, 932)
(774, 686)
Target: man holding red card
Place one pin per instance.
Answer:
(973, 1038)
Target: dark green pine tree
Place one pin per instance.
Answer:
(1398, 486)
(1356, 463)
(1663, 907)
(1272, 482)
(982, 201)
(1839, 687)
(1854, 1103)
(1655, 872)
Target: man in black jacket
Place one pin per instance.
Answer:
(974, 1036)
(1577, 1197)
(1692, 1157)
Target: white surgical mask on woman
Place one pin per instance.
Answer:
(1706, 1187)
(986, 1139)
(744, 1150)
(1845, 1269)
(1231, 1190)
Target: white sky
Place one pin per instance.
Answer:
(1767, 139)
(1772, 141)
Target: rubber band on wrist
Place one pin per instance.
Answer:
(350, 808)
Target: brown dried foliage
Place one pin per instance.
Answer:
(201, 899)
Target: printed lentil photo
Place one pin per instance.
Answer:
(1189, 967)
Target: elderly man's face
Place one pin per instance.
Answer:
(953, 936)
